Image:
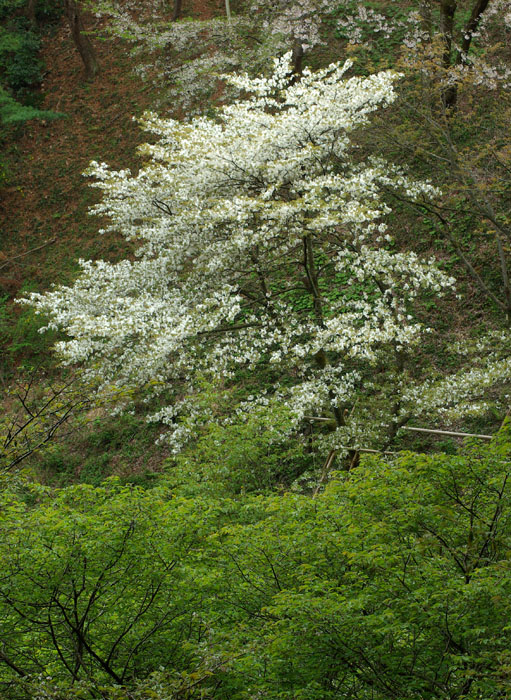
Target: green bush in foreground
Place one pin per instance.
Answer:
(394, 583)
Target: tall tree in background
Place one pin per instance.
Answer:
(80, 38)
(454, 118)
(445, 31)
(176, 11)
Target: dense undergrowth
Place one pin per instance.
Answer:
(392, 582)
(248, 566)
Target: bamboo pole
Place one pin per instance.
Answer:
(453, 433)
(446, 432)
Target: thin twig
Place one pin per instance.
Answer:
(22, 255)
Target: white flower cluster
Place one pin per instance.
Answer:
(475, 391)
(261, 245)
(413, 25)
(300, 19)
(482, 72)
(352, 25)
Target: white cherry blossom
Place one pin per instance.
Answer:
(261, 246)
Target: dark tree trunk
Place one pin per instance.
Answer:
(81, 40)
(297, 58)
(176, 14)
(31, 13)
(470, 27)
(448, 10)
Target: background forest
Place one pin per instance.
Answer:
(261, 447)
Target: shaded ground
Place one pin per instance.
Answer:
(47, 201)
(46, 228)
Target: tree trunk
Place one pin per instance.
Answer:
(81, 40)
(448, 10)
(31, 13)
(228, 11)
(297, 58)
(471, 26)
(321, 359)
(176, 14)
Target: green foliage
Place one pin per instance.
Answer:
(13, 112)
(99, 568)
(394, 582)
(20, 66)
(9, 8)
(48, 12)
(19, 62)
(20, 337)
(254, 452)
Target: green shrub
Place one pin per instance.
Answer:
(393, 583)
(20, 65)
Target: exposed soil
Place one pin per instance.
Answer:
(45, 224)
(46, 227)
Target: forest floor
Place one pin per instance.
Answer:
(45, 208)
(47, 203)
(46, 229)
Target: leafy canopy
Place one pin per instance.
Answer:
(392, 583)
